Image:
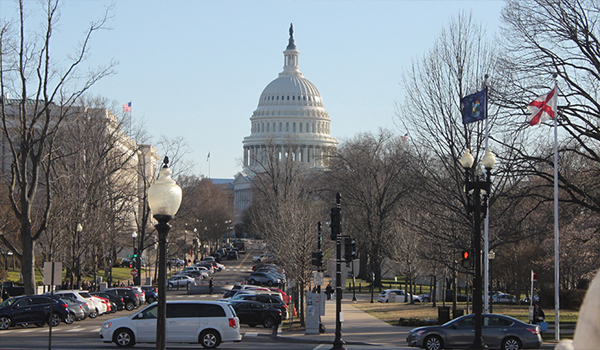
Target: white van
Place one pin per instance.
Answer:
(206, 322)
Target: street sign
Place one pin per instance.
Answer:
(130, 256)
(133, 272)
(318, 278)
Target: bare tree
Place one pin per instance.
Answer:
(371, 172)
(285, 210)
(44, 94)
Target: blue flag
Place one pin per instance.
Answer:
(474, 107)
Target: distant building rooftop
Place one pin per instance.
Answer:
(222, 181)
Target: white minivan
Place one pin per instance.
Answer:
(206, 322)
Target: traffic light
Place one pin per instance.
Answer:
(317, 259)
(467, 259)
(336, 222)
(349, 249)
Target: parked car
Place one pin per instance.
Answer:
(253, 313)
(34, 309)
(499, 332)
(263, 278)
(384, 296)
(129, 298)
(10, 289)
(268, 299)
(206, 322)
(267, 257)
(504, 298)
(194, 274)
(459, 297)
(421, 298)
(151, 294)
(139, 293)
(76, 310)
(179, 280)
(83, 306)
(81, 295)
(102, 304)
(117, 301)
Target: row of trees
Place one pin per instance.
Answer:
(74, 173)
(403, 196)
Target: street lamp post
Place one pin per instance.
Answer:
(135, 258)
(477, 205)
(338, 342)
(164, 199)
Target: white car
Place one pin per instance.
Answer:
(206, 322)
(100, 305)
(384, 296)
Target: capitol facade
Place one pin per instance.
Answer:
(290, 121)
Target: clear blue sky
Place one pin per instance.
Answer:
(197, 68)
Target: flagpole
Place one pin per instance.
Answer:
(486, 222)
(556, 257)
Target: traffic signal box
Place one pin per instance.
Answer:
(349, 249)
(467, 259)
(317, 259)
(336, 222)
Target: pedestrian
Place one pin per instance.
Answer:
(538, 314)
(328, 291)
(210, 286)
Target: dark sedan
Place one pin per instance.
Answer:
(33, 309)
(499, 332)
(253, 313)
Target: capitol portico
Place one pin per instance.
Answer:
(290, 122)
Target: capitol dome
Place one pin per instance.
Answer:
(290, 119)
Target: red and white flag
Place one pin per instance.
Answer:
(543, 108)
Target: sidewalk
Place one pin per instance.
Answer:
(359, 328)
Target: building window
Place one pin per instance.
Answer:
(293, 97)
(280, 126)
(277, 98)
(274, 127)
(294, 127)
(268, 126)
(288, 97)
(306, 127)
(300, 127)
(287, 126)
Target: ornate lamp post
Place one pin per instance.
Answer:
(135, 258)
(164, 198)
(476, 204)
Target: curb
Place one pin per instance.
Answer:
(313, 341)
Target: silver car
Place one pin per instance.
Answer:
(499, 332)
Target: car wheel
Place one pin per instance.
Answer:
(252, 282)
(210, 339)
(170, 285)
(511, 344)
(55, 320)
(150, 300)
(387, 301)
(70, 318)
(426, 300)
(270, 283)
(5, 322)
(93, 313)
(269, 322)
(129, 305)
(433, 342)
(123, 337)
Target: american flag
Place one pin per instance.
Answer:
(127, 107)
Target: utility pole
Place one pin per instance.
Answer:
(336, 233)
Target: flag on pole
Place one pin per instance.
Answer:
(127, 107)
(543, 108)
(208, 156)
(405, 137)
(474, 107)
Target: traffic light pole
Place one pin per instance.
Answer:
(338, 343)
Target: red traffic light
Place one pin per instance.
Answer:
(466, 254)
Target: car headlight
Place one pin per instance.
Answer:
(106, 324)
